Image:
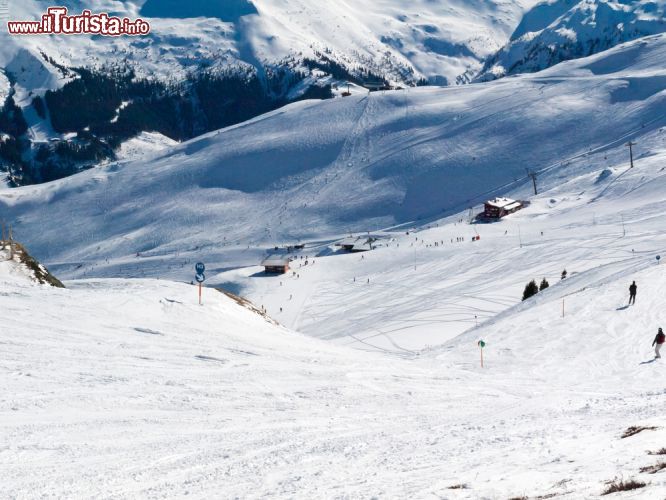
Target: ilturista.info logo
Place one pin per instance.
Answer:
(58, 21)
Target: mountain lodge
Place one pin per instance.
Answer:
(276, 264)
(501, 207)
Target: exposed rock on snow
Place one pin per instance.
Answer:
(19, 264)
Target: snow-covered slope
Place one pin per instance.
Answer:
(128, 388)
(117, 388)
(145, 145)
(12, 272)
(316, 170)
(559, 30)
(426, 287)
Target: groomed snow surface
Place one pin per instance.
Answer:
(119, 389)
(127, 388)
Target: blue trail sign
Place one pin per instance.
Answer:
(200, 277)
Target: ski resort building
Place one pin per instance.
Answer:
(501, 207)
(276, 264)
(376, 85)
(357, 244)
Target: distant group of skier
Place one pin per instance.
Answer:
(660, 339)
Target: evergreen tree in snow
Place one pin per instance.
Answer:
(564, 274)
(544, 285)
(531, 289)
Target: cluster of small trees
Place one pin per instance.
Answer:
(531, 289)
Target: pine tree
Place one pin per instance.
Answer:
(531, 289)
(544, 285)
(564, 274)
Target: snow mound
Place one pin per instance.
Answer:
(145, 145)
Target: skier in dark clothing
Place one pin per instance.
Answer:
(659, 340)
(632, 293)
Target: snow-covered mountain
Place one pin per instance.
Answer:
(559, 30)
(206, 65)
(402, 41)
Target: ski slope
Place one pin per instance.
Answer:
(391, 163)
(128, 388)
(409, 294)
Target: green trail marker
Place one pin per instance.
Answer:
(482, 344)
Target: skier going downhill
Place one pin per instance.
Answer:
(632, 293)
(659, 340)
